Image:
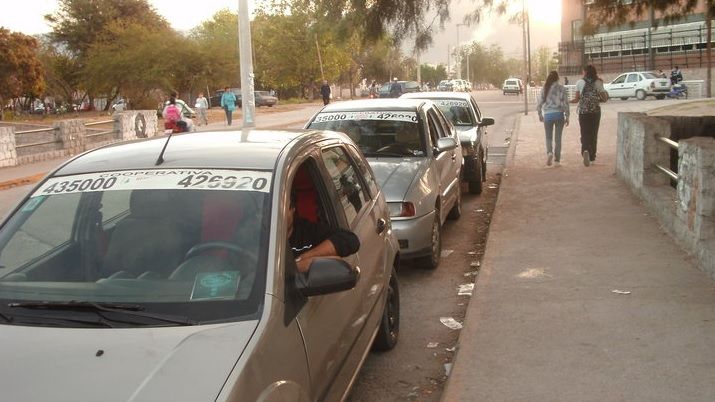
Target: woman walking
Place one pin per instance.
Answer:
(228, 103)
(202, 107)
(553, 109)
(589, 95)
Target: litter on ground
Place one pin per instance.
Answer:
(450, 323)
(621, 292)
(465, 289)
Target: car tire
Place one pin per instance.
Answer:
(640, 94)
(660, 97)
(456, 210)
(475, 186)
(431, 261)
(389, 330)
(624, 98)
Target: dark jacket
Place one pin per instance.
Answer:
(325, 90)
(307, 235)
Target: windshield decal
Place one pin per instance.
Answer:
(215, 285)
(451, 102)
(159, 179)
(407, 116)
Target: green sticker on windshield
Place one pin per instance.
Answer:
(216, 285)
(33, 203)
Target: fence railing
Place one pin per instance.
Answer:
(97, 123)
(666, 170)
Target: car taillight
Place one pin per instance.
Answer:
(401, 209)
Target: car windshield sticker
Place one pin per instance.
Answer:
(367, 115)
(159, 179)
(33, 203)
(451, 102)
(215, 285)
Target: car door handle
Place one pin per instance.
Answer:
(381, 225)
(454, 157)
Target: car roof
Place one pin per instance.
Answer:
(436, 95)
(375, 104)
(235, 149)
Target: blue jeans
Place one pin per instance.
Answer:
(549, 126)
(229, 115)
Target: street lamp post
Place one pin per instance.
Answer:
(248, 101)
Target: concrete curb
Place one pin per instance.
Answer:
(22, 181)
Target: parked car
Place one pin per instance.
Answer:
(444, 85)
(460, 85)
(512, 86)
(405, 87)
(639, 85)
(413, 150)
(264, 98)
(462, 110)
(134, 268)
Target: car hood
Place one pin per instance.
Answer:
(396, 175)
(467, 134)
(137, 364)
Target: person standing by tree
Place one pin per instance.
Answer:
(325, 92)
(553, 109)
(589, 95)
(202, 106)
(228, 103)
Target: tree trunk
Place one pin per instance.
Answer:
(708, 24)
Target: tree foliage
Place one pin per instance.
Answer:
(217, 43)
(488, 64)
(614, 13)
(21, 72)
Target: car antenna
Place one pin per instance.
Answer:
(160, 159)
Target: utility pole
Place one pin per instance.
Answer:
(708, 51)
(523, 29)
(320, 59)
(457, 58)
(651, 21)
(528, 43)
(460, 53)
(248, 101)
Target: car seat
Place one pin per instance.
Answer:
(408, 135)
(306, 195)
(148, 239)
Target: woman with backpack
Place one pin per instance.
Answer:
(553, 109)
(589, 95)
(173, 120)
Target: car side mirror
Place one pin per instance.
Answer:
(486, 121)
(446, 144)
(325, 276)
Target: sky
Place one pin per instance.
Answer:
(27, 17)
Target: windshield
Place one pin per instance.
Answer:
(650, 76)
(180, 242)
(378, 133)
(456, 110)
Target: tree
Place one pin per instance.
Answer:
(62, 75)
(217, 43)
(433, 74)
(21, 72)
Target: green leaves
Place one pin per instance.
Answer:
(21, 72)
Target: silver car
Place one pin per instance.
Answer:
(162, 270)
(415, 154)
(462, 110)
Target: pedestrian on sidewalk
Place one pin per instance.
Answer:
(589, 95)
(325, 92)
(553, 109)
(228, 103)
(202, 107)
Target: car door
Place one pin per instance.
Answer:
(615, 89)
(631, 85)
(447, 163)
(482, 130)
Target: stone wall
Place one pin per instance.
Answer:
(688, 212)
(8, 154)
(134, 124)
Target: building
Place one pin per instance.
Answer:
(629, 48)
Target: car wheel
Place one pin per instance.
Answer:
(456, 210)
(389, 330)
(431, 261)
(640, 94)
(660, 96)
(624, 98)
(475, 186)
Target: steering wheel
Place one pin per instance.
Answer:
(397, 148)
(231, 247)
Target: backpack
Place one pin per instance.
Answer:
(590, 101)
(173, 113)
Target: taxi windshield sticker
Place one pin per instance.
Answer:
(215, 285)
(407, 116)
(451, 102)
(159, 179)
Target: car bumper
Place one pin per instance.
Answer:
(511, 90)
(414, 235)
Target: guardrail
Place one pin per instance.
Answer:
(673, 145)
(97, 123)
(39, 130)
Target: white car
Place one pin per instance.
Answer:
(639, 85)
(460, 85)
(513, 86)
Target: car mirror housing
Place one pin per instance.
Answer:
(486, 121)
(446, 144)
(325, 276)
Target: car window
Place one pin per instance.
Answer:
(436, 129)
(633, 78)
(650, 76)
(346, 182)
(42, 231)
(166, 239)
(456, 111)
(476, 108)
(619, 80)
(364, 170)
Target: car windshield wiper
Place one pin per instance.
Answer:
(134, 310)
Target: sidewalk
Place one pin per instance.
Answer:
(544, 323)
(32, 173)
